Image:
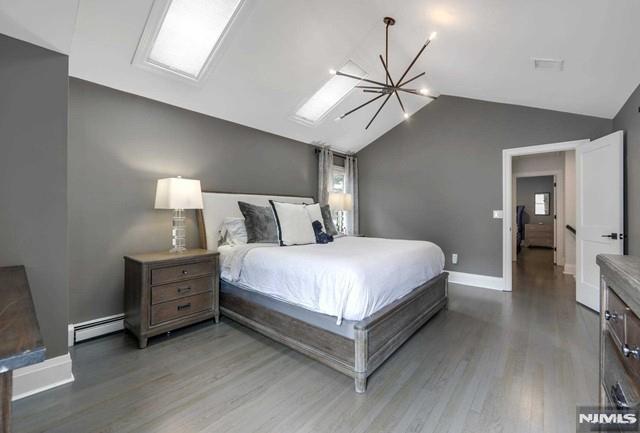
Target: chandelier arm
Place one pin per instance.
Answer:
(417, 92)
(386, 70)
(372, 87)
(410, 80)
(362, 105)
(400, 101)
(342, 74)
(374, 91)
(415, 59)
(377, 112)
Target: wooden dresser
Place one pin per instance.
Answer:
(619, 331)
(538, 235)
(165, 291)
(21, 342)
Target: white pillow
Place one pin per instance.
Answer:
(315, 214)
(233, 231)
(294, 224)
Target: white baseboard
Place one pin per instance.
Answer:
(569, 269)
(95, 328)
(42, 376)
(476, 280)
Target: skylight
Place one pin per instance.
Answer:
(329, 95)
(189, 33)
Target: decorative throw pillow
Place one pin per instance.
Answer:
(233, 232)
(294, 224)
(315, 214)
(327, 219)
(260, 223)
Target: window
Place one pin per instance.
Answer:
(338, 179)
(182, 35)
(541, 203)
(329, 95)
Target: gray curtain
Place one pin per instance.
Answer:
(325, 176)
(351, 187)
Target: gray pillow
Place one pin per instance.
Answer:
(329, 226)
(260, 223)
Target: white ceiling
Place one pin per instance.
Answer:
(278, 53)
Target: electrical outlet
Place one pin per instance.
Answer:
(454, 258)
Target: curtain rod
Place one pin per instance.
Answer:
(340, 154)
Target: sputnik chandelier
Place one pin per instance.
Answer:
(389, 87)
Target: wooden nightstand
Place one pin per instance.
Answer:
(166, 291)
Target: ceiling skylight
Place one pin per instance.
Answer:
(329, 95)
(189, 33)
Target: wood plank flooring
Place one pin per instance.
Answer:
(494, 362)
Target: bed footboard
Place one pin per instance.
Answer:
(378, 336)
(375, 338)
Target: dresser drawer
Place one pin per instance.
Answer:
(181, 307)
(619, 381)
(182, 272)
(616, 316)
(171, 291)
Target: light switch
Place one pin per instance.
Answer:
(498, 214)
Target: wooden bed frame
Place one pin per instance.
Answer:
(375, 338)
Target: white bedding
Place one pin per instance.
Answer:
(350, 278)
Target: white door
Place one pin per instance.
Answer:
(599, 213)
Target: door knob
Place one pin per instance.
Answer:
(612, 236)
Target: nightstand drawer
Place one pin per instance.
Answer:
(181, 307)
(171, 291)
(182, 272)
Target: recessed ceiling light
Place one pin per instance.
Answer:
(188, 34)
(330, 94)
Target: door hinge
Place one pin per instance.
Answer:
(555, 249)
(555, 184)
(555, 217)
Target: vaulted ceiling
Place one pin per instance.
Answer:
(278, 53)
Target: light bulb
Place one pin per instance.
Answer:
(433, 35)
(406, 115)
(424, 91)
(333, 71)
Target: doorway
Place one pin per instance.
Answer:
(536, 208)
(599, 208)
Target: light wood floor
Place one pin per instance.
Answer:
(494, 361)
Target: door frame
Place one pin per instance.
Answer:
(558, 212)
(507, 202)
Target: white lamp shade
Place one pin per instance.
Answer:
(341, 201)
(178, 193)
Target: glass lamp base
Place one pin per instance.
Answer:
(178, 231)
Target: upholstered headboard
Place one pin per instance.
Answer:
(218, 205)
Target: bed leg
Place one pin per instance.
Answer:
(361, 384)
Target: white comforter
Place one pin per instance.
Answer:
(350, 278)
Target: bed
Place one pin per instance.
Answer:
(349, 304)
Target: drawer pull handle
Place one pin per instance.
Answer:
(184, 272)
(183, 289)
(610, 316)
(184, 306)
(627, 351)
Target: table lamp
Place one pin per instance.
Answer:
(178, 194)
(341, 202)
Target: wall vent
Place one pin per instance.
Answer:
(548, 64)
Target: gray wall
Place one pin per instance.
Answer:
(119, 145)
(628, 119)
(526, 188)
(33, 184)
(438, 176)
